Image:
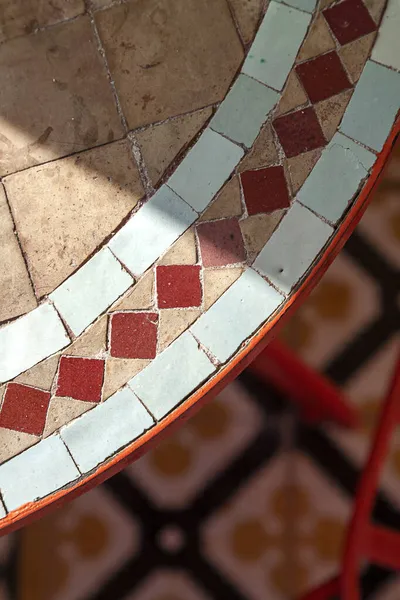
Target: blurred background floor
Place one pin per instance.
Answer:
(244, 502)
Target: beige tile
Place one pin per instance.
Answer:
(247, 14)
(62, 411)
(169, 57)
(140, 296)
(16, 293)
(376, 8)
(300, 167)
(331, 111)
(119, 371)
(172, 323)
(293, 95)
(94, 191)
(256, 231)
(14, 442)
(97, 4)
(355, 54)
(18, 17)
(183, 252)
(227, 204)
(160, 144)
(318, 40)
(216, 282)
(64, 100)
(92, 342)
(263, 152)
(41, 375)
(325, 3)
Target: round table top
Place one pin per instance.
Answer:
(175, 174)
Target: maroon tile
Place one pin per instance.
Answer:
(133, 335)
(221, 243)
(178, 286)
(24, 409)
(299, 132)
(80, 378)
(265, 190)
(323, 77)
(349, 20)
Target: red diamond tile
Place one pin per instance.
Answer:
(221, 243)
(299, 132)
(24, 409)
(349, 20)
(265, 190)
(178, 286)
(80, 378)
(134, 335)
(323, 77)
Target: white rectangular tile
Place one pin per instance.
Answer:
(387, 46)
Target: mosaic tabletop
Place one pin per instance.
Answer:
(170, 170)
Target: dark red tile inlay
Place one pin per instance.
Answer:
(221, 243)
(178, 286)
(323, 77)
(80, 378)
(24, 409)
(349, 20)
(299, 132)
(265, 190)
(134, 335)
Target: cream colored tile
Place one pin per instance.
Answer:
(325, 3)
(183, 252)
(14, 442)
(318, 40)
(355, 54)
(57, 100)
(293, 95)
(376, 8)
(256, 231)
(300, 167)
(170, 57)
(140, 296)
(16, 293)
(331, 111)
(172, 323)
(160, 144)
(119, 371)
(263, 152)
(94, 192)
(227, 204)
(41, 375)
(62, 411)
(92, 342)
(247, 14)
(216, 282)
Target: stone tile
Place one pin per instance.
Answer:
(387, 46)
(80, 378)
(44, 71)
(119, 371)
(133, 335)
(157, 385)
(331, 111)
(91, 343)
(318, 41)
(354, 55)
(263, 152)
(373, 106)
(307, 5)
(204, 169)
(121, 419)
(228, 203)
(323, 76)
(336, 177)
(160, 144)
(152, 230)
(349, 20)
(14, 442)
(247, 15)
(173, 322)
(141, 295)
(178, 286)
(244, 110)
(30, 339)
(24, 409)
(293, 95)
(276, 45)
(162, 75)
(299, 132)
(62, 411)
(96, 187)
(41, 375)
(87, 293)
(299, 167)
(293, 247)
(217, 281)
(19, 18)
(257, 230)
(375, 8)
(220, 243)
(265, 190)
(183, 252)
(16, 293)
(236, 315)
(35, 473)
